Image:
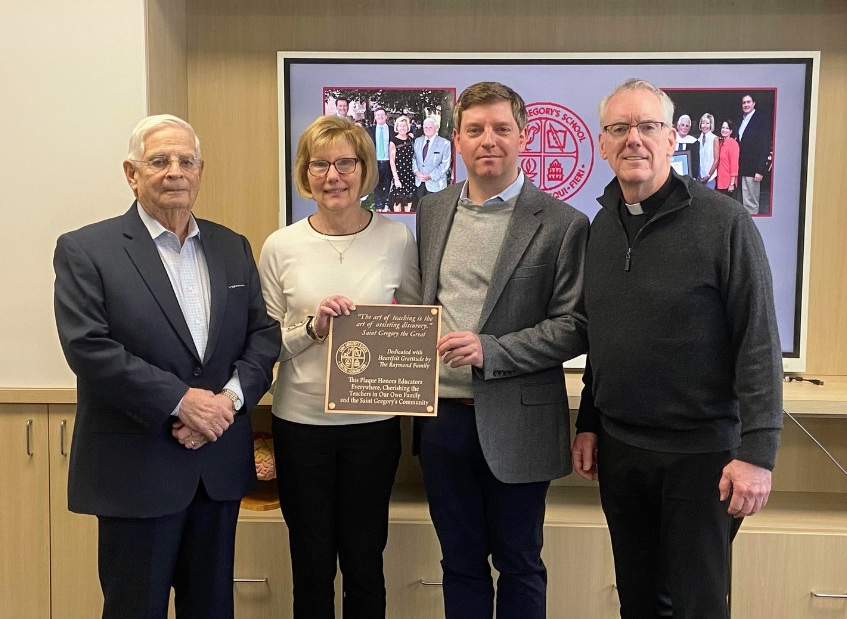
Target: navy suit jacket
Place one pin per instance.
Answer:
(125, 337)
(755, 145)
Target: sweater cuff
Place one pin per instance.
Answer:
(588, 419)
(759, 448)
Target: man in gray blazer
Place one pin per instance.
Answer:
(431, 161)
(504, 260)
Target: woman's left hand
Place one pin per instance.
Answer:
(336, 305)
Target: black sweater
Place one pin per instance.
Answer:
(684, 353)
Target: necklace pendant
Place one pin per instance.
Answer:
(340, 258)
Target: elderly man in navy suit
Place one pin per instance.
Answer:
(432, 160)
(161, 318)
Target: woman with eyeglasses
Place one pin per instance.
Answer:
(334, 471)
(727, 164)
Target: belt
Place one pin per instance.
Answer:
(462, 401)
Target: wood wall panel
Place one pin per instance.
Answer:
(167, 68)
(232, 45)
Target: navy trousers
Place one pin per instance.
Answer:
(192, 550)
(477, 516)
(383, 186)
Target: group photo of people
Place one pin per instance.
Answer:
(724, 139)
(411, 130)
(174, 332)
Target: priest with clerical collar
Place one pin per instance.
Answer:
(681, 412)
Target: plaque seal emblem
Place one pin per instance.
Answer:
(352, 357)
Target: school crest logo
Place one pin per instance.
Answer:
(559, 153)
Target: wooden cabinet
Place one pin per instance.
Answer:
(263, 588)
(789, 575)
(413, 571)
(795, 548)
(262, 585)
(24, 516)
(48, 563)
(580, 572)
(74, 582)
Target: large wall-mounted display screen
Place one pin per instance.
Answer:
(562, 93)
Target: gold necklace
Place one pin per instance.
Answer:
(344, 251)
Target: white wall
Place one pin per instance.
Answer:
(73, 85)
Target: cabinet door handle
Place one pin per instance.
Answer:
(427, 583)
(838, 596)
(29, 437)
(255, 580)
(62, 425)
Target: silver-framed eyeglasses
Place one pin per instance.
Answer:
(647, 129)
(320, 167)
(160, 163)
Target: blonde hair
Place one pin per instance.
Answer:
(397, 122)
(328, 131)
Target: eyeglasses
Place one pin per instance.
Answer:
(647, 129)
(320, 167)
(800, 379)
(160, 163)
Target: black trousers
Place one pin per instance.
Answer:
(334, 485)
(421, 191)
(193, 551)
(670, 531)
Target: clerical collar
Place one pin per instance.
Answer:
(634, 209)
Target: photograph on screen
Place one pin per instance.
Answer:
(411, 129)
(562, 156)
(753, 139)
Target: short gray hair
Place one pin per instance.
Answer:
(152, 123)
(634, 83)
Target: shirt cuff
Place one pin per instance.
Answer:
(234, 384)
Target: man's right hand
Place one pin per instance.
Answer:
(206, 413)
(584, 455)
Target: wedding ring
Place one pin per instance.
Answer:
(192, 443)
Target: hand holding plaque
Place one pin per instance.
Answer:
(383, 359)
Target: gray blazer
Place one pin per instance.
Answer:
(436, 164)
(531, 322)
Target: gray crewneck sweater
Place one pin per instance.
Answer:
(466, 267)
